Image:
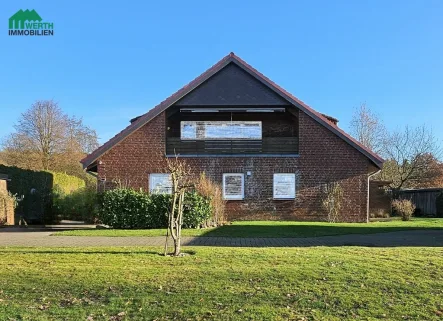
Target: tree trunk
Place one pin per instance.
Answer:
(177, 246)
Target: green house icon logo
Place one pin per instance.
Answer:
(29, 23)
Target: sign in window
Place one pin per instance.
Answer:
(160, 183)
(284, 186)
(202, 130)
(233, 186)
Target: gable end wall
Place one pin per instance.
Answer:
(323, 158)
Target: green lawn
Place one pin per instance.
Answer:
(336, 283)
(277, 229)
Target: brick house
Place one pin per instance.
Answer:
(272, 154)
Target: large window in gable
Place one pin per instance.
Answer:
(233, 186)
(202, 130)
(160, 183)
(284, 186)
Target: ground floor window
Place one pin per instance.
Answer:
(160, 183)
(233, 186)
(284, 186)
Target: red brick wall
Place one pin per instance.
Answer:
(323, 158)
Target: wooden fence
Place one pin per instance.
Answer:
(424, 199)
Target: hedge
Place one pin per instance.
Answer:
(129, 209)
(34, 188)
(45, 196)
(65, 184)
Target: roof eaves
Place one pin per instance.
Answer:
(143, 119)
(376, 159)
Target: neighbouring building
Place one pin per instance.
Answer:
(272, 154)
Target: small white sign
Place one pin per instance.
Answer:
(284, 186)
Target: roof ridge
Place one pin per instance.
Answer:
(231, 57)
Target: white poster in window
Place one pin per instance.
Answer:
(284, 186)
(233, 186)
(201, 130)
(160, 183)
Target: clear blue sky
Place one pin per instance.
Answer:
(111, 61)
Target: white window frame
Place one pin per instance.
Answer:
(284, 197)
(151, 181)
(234, 197)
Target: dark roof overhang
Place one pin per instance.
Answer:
(140, 121)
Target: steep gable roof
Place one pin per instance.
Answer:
(231, 58)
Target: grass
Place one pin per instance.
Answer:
(276, 229)
(347, 283)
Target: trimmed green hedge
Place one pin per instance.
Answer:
(73, 199)
(65, 184)
(45, 196)
(34, 188)
(129, 209)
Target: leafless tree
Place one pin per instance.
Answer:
(411, 153)
(181, 181)
(46, 138)
(367, 128)
(332, 201)
(410, 156)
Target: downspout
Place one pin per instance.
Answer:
(367, 198)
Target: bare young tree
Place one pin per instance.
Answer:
(46, 138)
(367, 128)
(410, 156)
(181, 182)
(332, 201)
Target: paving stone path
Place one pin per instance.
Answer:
(433, 238)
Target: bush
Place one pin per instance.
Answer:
(127, 209)
(79, 205)
(66, 184)
(73, 199)
(196, 210)
(213, 192)
(439, 205)
(405, 208)
(124, 208)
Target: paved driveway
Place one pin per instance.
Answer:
(433, 238)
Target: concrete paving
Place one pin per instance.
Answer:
(428, 238)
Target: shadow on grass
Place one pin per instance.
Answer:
(303, 231)
(12, 229)
(72, 250)
(94, 252)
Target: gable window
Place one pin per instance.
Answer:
(233, 186)
(201, 130)
(160, 183)
(284, 186)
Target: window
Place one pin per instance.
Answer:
(160, 183)
(201, 130)
(233, 186)
(284, 186)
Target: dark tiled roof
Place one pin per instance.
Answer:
(138, 122)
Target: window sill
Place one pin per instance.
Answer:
(284, 199)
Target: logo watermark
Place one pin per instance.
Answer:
(29, 23)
